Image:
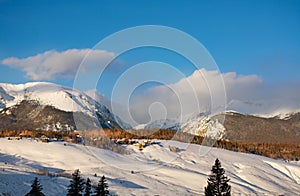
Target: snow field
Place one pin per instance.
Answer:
(156, 170)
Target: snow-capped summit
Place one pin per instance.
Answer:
(263, 108)
(63, 98)
(58, 97)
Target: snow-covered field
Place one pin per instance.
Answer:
(157, 170)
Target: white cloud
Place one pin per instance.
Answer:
(201, 91)
(244, 93)
(51, 64)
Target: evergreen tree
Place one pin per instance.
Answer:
(88, 187)
(217, 182)
(36, 188)
(102, 188)
(76, 184)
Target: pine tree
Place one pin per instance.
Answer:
(217, 182)
(88, 187)
(36, 188)
(76, 184)
(102, 188)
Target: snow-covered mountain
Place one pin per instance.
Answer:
(259, 113)
(205, 126)
(202, 124)
(236, 126)
(171, 124)
(93, 111)
(57, 98)
(155, 170)
(63, 98)
(264, 108)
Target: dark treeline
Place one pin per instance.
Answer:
(60, 135)
(272, 150)
(78, 187)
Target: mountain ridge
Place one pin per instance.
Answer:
(48, 106)
(62, 101)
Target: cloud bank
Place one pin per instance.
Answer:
(200, 92)
(52, 64)
(191, 95)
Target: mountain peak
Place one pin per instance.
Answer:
(61, 98)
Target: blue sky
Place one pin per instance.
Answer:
(246, 37)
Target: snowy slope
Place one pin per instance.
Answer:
(205, 126)
(157, 170)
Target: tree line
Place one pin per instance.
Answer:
(77, 187)
(103, 139)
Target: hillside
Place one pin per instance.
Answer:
(156, 170)
(257, 129)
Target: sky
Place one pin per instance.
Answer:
(254, 41)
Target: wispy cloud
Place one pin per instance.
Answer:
(51, 65)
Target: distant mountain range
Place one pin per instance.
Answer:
(264, 108)
(255, 122)
(232, 125)
(47, 106)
